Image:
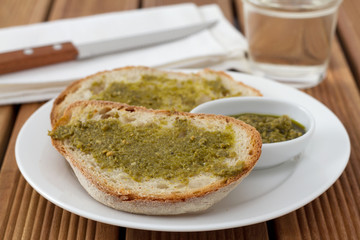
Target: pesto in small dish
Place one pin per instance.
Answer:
(273, 128)
(285, 127)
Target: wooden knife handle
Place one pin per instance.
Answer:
(37, 57)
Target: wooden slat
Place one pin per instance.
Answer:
(238, 5)
(20, 12)
(37, 222)
(329, 219)
(225, 5)
(349, 33)
(7, 118)
(55, 223)
(12, 185)
(70, 8)
(249, 232)
(257, 231)
(43, 220)
(319, 216)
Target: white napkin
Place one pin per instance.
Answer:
(221, 47)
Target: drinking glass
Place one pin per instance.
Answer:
(290, 40)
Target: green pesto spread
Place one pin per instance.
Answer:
(153, 150)
(162, 93)
(273, 128)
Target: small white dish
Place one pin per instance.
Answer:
(272, 153)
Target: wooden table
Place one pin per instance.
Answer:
(334, 215)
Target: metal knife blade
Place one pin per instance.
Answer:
(61, 52)
(138, 41)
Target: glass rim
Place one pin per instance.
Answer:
(298, 13)
(299, 6)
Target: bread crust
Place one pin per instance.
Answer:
(72, 91)
(156, 204)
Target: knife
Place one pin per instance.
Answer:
(66, 51)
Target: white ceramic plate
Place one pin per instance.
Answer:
(263, 195)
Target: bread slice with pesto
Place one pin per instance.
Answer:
(152, 88)
(154, 162)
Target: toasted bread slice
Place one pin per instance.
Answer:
(175, 189)
(171, 97)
